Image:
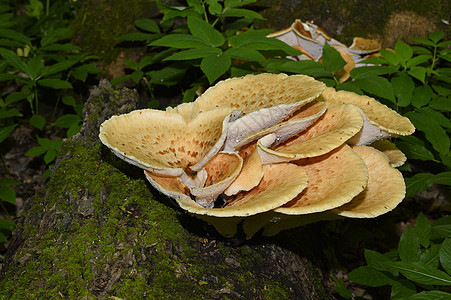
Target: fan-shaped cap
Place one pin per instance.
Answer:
(272, 191)
(250, 175)
(265, 100)
(364, 46)
(221, 171)
(330, 131)
(382, 122)
(385, 189)
(170, 186)
(394, 155)
(163, 142)
(333, 180)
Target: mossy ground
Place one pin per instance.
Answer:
(97, 232)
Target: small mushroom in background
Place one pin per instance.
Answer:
(310, 39)
(268, 152)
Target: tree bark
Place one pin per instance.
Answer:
(98, 230)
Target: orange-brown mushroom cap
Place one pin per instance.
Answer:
(334, 179)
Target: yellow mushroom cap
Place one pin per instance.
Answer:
(333, 180)
(394, 155)
(385, 189)
(272, 191)
(364, 46)
(383, 121)
(334, 128)
(170, 186)
(164, 142)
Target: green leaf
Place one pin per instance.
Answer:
(3, 238)
(119, 79)
(37, 121)
(15, 35)
(235, 3)
(73, 129)
(403, 87)
(168, 76)
(67, 120)
(403, 51)
(436, 36)
(417, 60)
(203, 30)
(137, 76)
(53, 36)
(377, 86)
(8, 194)
(414, 148)
(131, 64)
(402, 289)
(245, 54)
(424, 41)
(430, 256)
(332, 60)
(376, 260)
(55, 83)
(445, 255)
(9, 113)
(423, 230)
(417, 183)
(194, 53)
(369, 276)
(365, 71)
(431, 295)
(391, 57)
(59, 67)
(435, 134)
(9, 181)
(422, 95)
(147, 25)
(46, 143)
(440, 231)
(181, 41)
(442, 178)
(214, 7)
(421, 273)
(5, 131)
(14, 60)
(418, 73)
(69, 100)
(7, 225)
(14, 97)
(50, 156)
(247, 37)
(36, 151)
(215, 65)
(409, 246)
(241, 13)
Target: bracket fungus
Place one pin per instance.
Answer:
(268, 152)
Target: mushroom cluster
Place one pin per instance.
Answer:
(268, 151)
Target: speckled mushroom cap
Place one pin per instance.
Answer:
(333, 180)
(330, 131)
(264, 99)
(383, 121)
(164, 142)
(384, 191)
(272, 191)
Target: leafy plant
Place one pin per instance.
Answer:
(415, 81)
(420, 265)
(213, 42)
(7, 195)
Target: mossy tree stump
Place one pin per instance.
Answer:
(98, 230)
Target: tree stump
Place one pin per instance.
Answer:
(97, 230)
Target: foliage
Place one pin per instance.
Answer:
(206, 45)
(420, 265)
(39, 67)
(415, 81)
